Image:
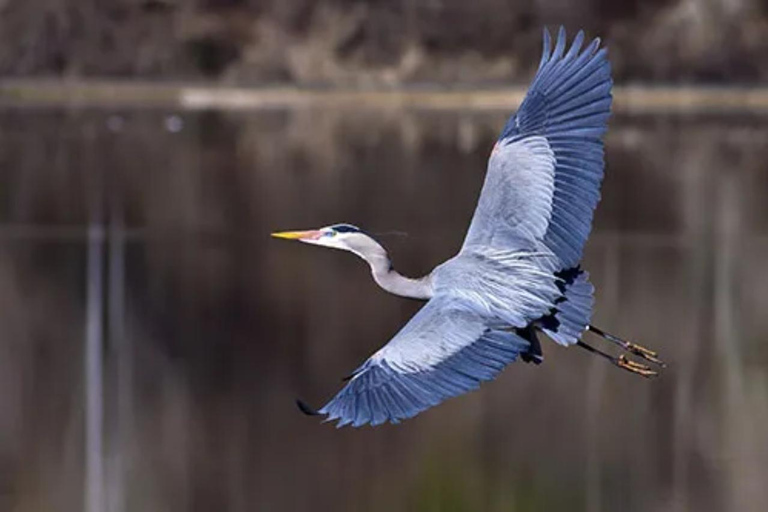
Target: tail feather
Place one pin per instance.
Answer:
(575, 311)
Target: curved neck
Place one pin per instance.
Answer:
(388, 278)
(394, 282)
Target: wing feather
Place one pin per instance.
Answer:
(516, 199)
(444, 351)
(575, 312)
(566, 108)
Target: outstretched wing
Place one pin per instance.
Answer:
(445, 350)
(544, 175)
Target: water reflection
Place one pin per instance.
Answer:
(212, 329)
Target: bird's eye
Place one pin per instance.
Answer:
(330, 233)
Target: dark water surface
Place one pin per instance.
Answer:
(210, 329)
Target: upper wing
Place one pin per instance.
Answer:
(445, 350)
(544, 175)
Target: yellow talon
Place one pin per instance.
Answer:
(637, 348)
(645, 353)
(632, 366)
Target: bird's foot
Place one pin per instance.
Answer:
(638, 368)
(632, 348)
(645, 353)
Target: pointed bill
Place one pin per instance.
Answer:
(298, 235)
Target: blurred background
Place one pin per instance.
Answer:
(153, 337)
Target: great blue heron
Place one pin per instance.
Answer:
(518, 271)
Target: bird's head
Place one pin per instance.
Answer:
(338, 236)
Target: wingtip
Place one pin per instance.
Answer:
(578, 41)
(306, 409)
(559, 44)
(350, 376)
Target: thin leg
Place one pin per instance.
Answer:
(633, 348)
(621, 361)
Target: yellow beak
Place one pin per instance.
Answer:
(296, 235)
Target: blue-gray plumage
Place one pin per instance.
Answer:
(518, 270)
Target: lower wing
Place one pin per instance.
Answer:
(445, 350)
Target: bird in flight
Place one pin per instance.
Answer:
(518, 272)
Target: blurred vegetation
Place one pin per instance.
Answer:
(373, 42)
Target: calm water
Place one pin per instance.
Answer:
(210, 329)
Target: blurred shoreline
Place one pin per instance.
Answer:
(629, 99)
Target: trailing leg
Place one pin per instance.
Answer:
(621, 361)
(633, 348)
